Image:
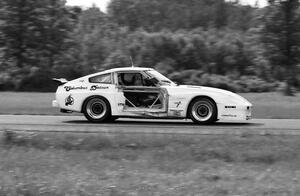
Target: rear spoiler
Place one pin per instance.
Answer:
(60, 81)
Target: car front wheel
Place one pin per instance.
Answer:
(203, 111)
(97, 109)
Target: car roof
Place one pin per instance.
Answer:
(123, 69)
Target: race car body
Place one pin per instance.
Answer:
(145, 93)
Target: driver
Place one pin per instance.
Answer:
(137, 80)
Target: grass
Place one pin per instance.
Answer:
(27, 103)
(274, 105)
(266, 105)
(148, 164)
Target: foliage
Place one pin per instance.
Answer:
(156, 15)
(34, 34)
(281, 35)
(226, 44)
(244, 84)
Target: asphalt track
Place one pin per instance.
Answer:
(78, 124)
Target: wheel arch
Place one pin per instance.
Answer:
(95, 96)
(197, 97)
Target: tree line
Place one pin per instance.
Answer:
(208, 42)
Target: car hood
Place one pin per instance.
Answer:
(219, 95)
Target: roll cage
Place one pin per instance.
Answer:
(141, 92)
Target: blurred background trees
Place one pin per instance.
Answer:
(281, 35)
(208, 42)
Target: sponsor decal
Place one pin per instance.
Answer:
(69, 100)
(96, 87)
(177, 103)
(230, 106)
(69, 88)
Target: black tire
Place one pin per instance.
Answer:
(97, 109)
(203, 111)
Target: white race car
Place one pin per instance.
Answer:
(145, 93)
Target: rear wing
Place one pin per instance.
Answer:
(60, 81)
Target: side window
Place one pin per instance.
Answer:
(133, 79)
(105, 79)
(130, 79)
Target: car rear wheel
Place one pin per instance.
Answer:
(97, 109)
(203, 111)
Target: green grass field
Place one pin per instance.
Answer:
(27, 103)
(266, 105)
(144, 164)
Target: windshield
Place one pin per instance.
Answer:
(161, 78)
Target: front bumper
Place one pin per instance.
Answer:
(241, 112)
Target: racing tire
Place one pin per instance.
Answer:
(203, 111)
(97, 109)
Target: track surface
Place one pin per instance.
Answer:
(80, 124)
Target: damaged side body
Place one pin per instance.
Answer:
(139, 96)
(145, 93)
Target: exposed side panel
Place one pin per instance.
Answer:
(129, 99)
(179, 99)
